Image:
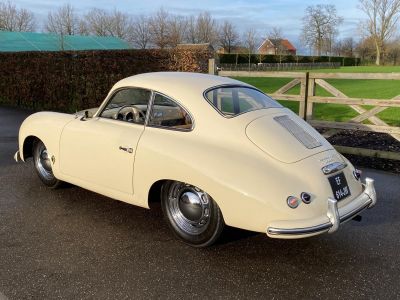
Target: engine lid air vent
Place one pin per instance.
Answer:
(300, 133)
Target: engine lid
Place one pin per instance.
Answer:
(286, 137)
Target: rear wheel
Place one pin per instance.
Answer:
(191, 213)
(43, 167)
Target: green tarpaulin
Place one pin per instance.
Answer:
(31, 41)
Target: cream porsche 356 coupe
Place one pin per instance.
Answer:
(213, 150)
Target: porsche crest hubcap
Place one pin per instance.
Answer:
(43, 162)
(189, 208)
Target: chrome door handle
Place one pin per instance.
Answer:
(126, 149)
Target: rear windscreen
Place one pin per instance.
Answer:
(234, 100)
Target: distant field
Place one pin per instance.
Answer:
(379, 89)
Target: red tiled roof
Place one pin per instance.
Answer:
(288, 45)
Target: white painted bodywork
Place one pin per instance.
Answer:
(249, 180)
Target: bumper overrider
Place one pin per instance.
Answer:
(335, 215)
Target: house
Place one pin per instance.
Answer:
(32, 41)
(277, 46)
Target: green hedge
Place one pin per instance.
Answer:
(260, 58)
(69, 81)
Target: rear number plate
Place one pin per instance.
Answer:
(339, 186)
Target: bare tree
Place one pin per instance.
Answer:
(141, 35)
(337, 48)
(348, 47)
(206, 28)
(393, 51)
(83, 28)
(383, 16)
(344, 47)
(320, 24)
(97, 22)
(63, 21)
(176, 30)
(102, 23)
(250, 41)
(14, 19)
(228, 36)
(159, 28)
(275, 33)
(365, 49)
(191, 32)
(120, 25)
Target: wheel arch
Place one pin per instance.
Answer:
(154, 193)
(27, 146)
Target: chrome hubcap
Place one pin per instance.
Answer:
(189, 207)
(43, 163)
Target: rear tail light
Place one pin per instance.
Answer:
(357, 174)
(306, 197)
(293, 201)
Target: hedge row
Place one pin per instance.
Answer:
(70, 81)
(260, 58)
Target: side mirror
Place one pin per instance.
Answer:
(85, 116)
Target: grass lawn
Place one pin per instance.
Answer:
(379, 89)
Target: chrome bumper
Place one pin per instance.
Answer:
(17, 156)
(369, 195)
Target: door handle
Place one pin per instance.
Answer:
(126, 149)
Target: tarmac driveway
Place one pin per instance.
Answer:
(74, 244)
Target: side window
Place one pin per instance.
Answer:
(166, 113)
(128, 105)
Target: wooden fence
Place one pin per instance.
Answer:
(279, 66)
(308, 83)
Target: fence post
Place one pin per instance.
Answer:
(310, 105)
(211, 66)
(304, 95)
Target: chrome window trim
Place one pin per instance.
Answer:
(227, 85)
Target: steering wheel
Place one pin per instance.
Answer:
(129, 113)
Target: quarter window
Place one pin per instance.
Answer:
(167, 113)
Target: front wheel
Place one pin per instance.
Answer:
(42, 163)
(191, 213)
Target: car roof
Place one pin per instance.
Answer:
(177, 84)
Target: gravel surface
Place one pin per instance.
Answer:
(369, 140)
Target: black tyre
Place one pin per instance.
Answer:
(191, 213)
(43, 167)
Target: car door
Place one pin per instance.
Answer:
(100, 151)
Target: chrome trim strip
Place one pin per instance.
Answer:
(333, 167)
(333, 215)
(299, 231)
(17, 156)
(355, 212)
